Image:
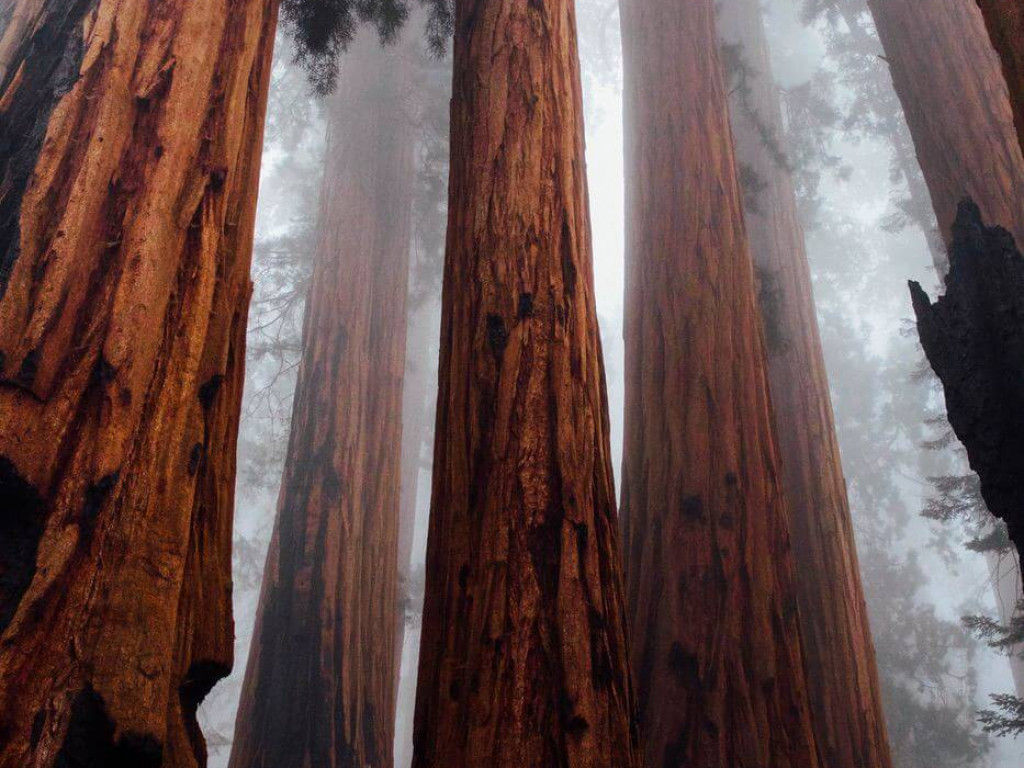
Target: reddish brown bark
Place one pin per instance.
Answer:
(1005, 20)
(523, 659)
(949, 81)
(130, 138)
(839, 656)
(321, 680)
(717, 649)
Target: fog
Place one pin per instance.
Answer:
(920, 578)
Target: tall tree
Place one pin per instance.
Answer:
(949, 81)
(322, 675)
(130, 137)
(523, 660)
(839, 655)
(712, 600)
(1005, 20)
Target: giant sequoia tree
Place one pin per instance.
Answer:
(712, 600)
(523, 659)
(130, 136)
(322, 675)
(842, 679)
(954, 97)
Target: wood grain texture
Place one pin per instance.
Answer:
(709, 568)
(322, 677)
(948, 79)
(523, 660)
(839, 655)
(130, 140)
(1005, 21)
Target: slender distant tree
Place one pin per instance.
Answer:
(130, 138)
(709, 569)
(949, 81)
(322, 674)
(840, 667)
(1005, 20)
(523, 660)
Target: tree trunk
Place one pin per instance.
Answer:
(839, 655)
(523, 659)
(321, 680)
(130, 139)
(948, 78)
(973, 341)
(1005, 20)
(717, 648)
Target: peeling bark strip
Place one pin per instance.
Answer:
(972, 337)
(322, 676)
(839, 655)
(523, 659)
(130, 137)
(709, 571)
(1005, 20)
(955, 100)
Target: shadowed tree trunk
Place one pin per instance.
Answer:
(130, 138)
(321, 681)
(1005, 20)
(523, 659)
(973, 341)
(717, 649)
(949, 81)
(839, 655)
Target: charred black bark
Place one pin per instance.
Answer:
(92, 741)
(43, 68)
(21, 526)
(974, 339)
